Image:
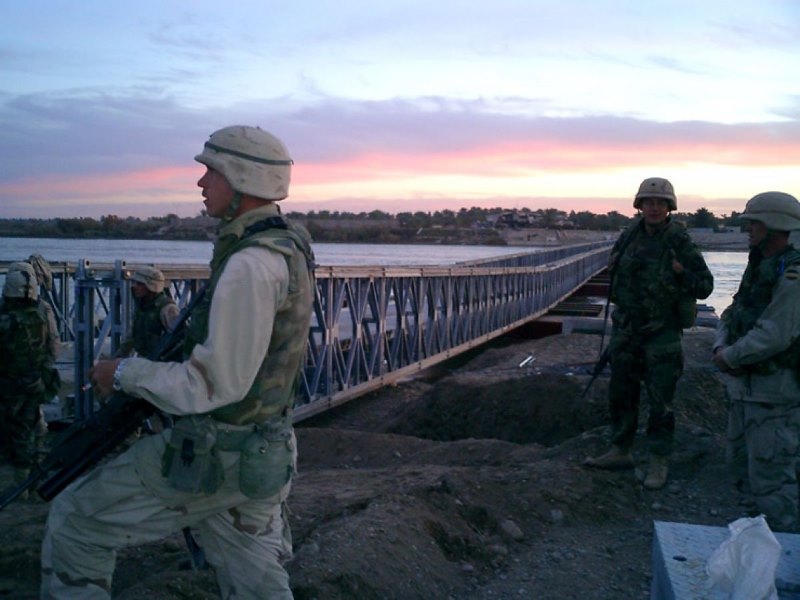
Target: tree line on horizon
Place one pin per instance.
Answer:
(472, 224)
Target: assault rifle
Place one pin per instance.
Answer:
(597, 369)
(84, 444)
(605, 356)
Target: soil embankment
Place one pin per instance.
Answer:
(467, 484)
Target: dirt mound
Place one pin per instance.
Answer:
(466, 484)
(546, 409)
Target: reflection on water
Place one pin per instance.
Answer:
(727, 268)
(193, 253)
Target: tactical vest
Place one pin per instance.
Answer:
(276, 383)
(755, 292)
(147, 325)
(644, 287)
(23, 349)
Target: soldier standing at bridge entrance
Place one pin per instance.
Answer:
(656, 275)
(225, 467)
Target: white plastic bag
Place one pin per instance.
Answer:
(745, 563)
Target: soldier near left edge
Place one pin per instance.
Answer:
(25, 367)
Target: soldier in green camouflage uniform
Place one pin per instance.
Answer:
(758, 348)
(44, 278)
(657, 274)
(154, 312)
(23, 363)
(225, 468)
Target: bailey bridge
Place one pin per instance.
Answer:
(371, 325)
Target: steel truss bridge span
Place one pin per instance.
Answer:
(371, 326)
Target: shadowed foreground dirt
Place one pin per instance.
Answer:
(466, 484)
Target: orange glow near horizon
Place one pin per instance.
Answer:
(537, 174)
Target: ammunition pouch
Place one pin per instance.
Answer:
(687, 312)
(190, 462)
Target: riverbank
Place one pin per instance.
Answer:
(728, 241)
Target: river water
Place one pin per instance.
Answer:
(727, 267)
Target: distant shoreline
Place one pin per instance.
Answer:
(709, 242)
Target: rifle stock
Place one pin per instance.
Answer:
(84, 444)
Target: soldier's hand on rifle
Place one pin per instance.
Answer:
(101, 376)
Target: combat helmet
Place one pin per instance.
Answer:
(21, 282)
(253, 161)
(152, 278)
(777, 210)
(44, 275)
(656, 187)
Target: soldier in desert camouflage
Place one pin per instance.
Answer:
(758, 348)
(225, 467)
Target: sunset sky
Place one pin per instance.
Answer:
(400, 105)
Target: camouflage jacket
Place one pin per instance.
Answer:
(151, 318)
(24, 348)
(645, 289)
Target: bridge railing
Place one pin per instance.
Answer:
(370, 326)
(373, 325)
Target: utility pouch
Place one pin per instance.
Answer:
(266, 463)
(687, 312)
(190, 462)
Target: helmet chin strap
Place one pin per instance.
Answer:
(233, 207)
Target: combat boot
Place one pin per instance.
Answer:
(21, 475)
(656, 473)
(616, 458)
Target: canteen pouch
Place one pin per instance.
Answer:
(266, 463)
(190, 462)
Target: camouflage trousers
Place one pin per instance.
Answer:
(763, 447)
(127, 502)
(18, 418)
(656, 362)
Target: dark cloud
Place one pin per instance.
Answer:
(87, 133)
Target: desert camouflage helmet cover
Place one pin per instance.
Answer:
(777, 210)
(21, 282)
(41, 267)
(253, 161)
(152, 278)
(656, 187)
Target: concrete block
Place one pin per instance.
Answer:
(680, 553)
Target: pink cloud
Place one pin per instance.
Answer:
(504, 159)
